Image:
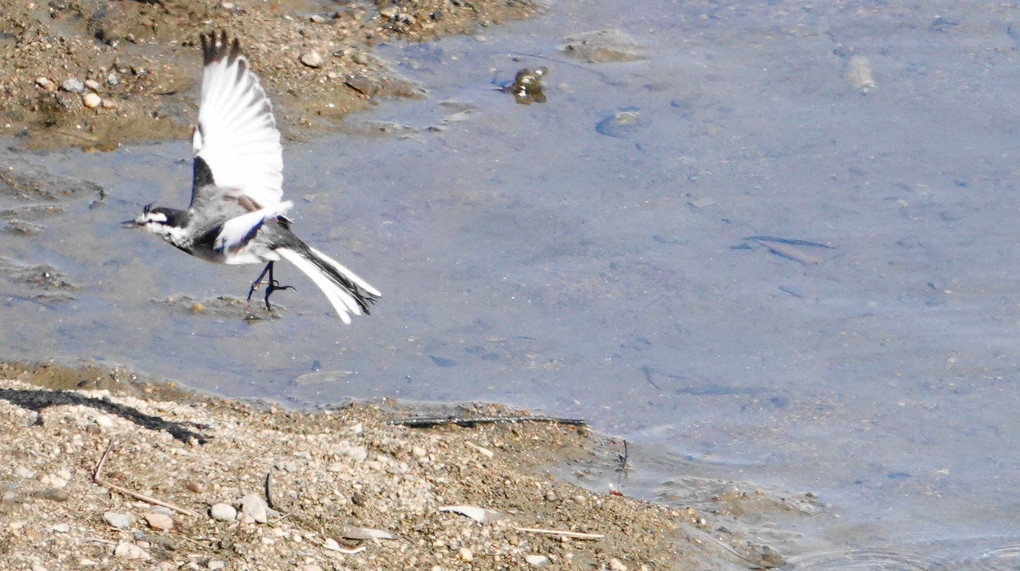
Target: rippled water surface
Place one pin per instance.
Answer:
(564, 257)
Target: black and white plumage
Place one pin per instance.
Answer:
(236, 215)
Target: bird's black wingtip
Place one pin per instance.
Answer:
(216, 47)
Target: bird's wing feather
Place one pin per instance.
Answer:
(239, 230)
(236, 135)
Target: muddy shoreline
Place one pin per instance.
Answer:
(95, 73)
(106, 468)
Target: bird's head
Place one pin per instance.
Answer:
(158, 220)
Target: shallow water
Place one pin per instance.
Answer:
(550, 257)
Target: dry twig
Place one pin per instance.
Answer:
(561, 532)
(466, 422)
(127, 492)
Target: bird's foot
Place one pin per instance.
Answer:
(272, 286)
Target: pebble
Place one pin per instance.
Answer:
(311, 59)
(109, 104)
(858, 74)
(159, 521)
(74, 85)
(223, 512)
(23, 472)
(92, 100)
(466, 554)
(92, 84)
(127, 550)
(254, 506)
(616, 565)
(46, 83)
(603, 46)
(536, 560)
(61, 528)
(53, 481)
(216, 564)
(113, 80)
(117, 520)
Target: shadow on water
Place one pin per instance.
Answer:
(777, 247)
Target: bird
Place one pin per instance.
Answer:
(237, 211)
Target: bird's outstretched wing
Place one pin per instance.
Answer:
(236, 143)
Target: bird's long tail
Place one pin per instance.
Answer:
(349, 294)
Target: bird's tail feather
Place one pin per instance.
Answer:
(349, 294)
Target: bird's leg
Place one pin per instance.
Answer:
(258, 281)
(272, 285)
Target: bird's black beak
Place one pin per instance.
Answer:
(130, 224)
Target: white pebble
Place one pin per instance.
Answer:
(92, 100)
(536, 560)
(254, 506)
(311, 59)
(223, 512)
(127, 550)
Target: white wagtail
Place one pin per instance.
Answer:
(237, 207)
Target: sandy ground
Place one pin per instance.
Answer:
(96, 73)
(101, 470)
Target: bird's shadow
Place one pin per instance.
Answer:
(37, 400)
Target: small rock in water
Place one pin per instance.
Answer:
(254, 506)
(616, 565)
(602, 46)
(223, 512)
(311, 59)
(92, 84)
(527, 86)
(858, 74)
(113, 80)
(74, 85)
(117, 520)
(92, 100)
(622, 123)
